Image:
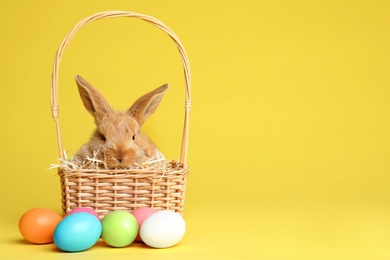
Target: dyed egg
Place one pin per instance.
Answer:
(37, 225)
(77, 232)
(119, 228)
(83, 209)
(163, 229)
(140, 215)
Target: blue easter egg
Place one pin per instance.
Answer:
(77, 232)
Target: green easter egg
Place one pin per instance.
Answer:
(120, 228)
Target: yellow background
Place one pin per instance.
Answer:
(289, 140)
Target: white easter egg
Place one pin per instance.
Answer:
(163, 229)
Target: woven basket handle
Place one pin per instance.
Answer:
(112, 14)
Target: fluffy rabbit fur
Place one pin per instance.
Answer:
(117, 137)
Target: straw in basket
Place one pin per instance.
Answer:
(105, 190)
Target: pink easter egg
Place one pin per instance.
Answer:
(83, 209)
(140, 215)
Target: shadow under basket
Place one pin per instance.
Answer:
(106, 190)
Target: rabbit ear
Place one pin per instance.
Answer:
(147, 104)
(93, 101)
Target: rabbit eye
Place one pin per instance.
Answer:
(133, 137)
(102, 137)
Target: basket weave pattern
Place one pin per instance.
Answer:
(123, 189)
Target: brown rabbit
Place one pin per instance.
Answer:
(118, 140)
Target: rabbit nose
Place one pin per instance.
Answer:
(119, 158)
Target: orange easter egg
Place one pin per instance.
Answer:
(37, 225)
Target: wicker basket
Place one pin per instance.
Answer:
(108, 190)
